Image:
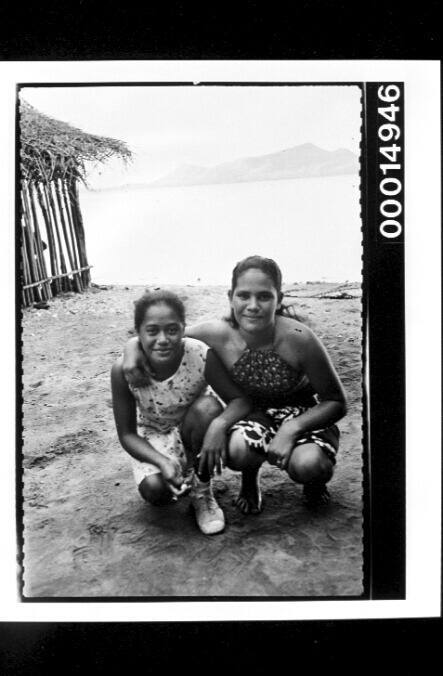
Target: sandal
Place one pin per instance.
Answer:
(315, 494)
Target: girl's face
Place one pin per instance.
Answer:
(254, 301)
(161, 333)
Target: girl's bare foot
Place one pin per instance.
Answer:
(249, 500)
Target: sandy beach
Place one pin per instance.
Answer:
(87, 531)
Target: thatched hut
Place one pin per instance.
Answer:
(53, 160)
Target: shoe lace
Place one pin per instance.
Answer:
(209, 501)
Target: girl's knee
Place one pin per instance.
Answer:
(309, 463)
(202, 412)
(240, 457)
(154, 490)
(206, 407)
(197, 420)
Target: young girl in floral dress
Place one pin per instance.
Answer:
(167, 421)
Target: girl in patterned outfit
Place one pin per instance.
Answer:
(167, 422)
(284, 368)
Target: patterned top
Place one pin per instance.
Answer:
(162, 405)
(270, 381)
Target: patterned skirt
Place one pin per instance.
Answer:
(259, 434)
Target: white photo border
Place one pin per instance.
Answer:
(423, 265)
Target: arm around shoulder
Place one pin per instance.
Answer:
(213, 333)
(131, 352)
(134, 365)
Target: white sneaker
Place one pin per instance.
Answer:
(209, 515)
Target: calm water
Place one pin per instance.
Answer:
(192, 235)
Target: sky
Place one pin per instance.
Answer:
(166, 127)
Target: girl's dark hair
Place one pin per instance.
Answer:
(155, 298)
(266, 265)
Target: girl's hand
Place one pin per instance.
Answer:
(172, 473)
(281, 447)
(138, 376)
(213, 452)
(135, 366)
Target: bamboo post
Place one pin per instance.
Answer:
(27, 277)
(36, 251)
(52, 212)
(78, 220)
(67, 206)
(56, 190)
(29, 243)
(27, 294)
(56, 286)
(31, 198)
(65, 282)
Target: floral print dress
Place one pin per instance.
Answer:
(162, 405)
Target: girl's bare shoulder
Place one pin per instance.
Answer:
(292, 331)
(117, 367)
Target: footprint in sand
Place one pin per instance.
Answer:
(102, 536)
(101, 540)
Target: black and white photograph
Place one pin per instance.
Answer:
(204, 243)
(220, 277)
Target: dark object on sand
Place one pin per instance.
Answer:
(41, 305)
(102, 287)
(339, 296)
(340, 292)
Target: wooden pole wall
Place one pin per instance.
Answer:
(67, 207)
(32, 201)
(56, 285)
(68, 245)
(34, 235)
(28, 246)
(55, 225)
(50, 212)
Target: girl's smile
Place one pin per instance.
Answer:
(161, 335)
(254, 300)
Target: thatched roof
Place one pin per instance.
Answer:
(52, 149)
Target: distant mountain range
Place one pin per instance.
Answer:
(303, 161)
